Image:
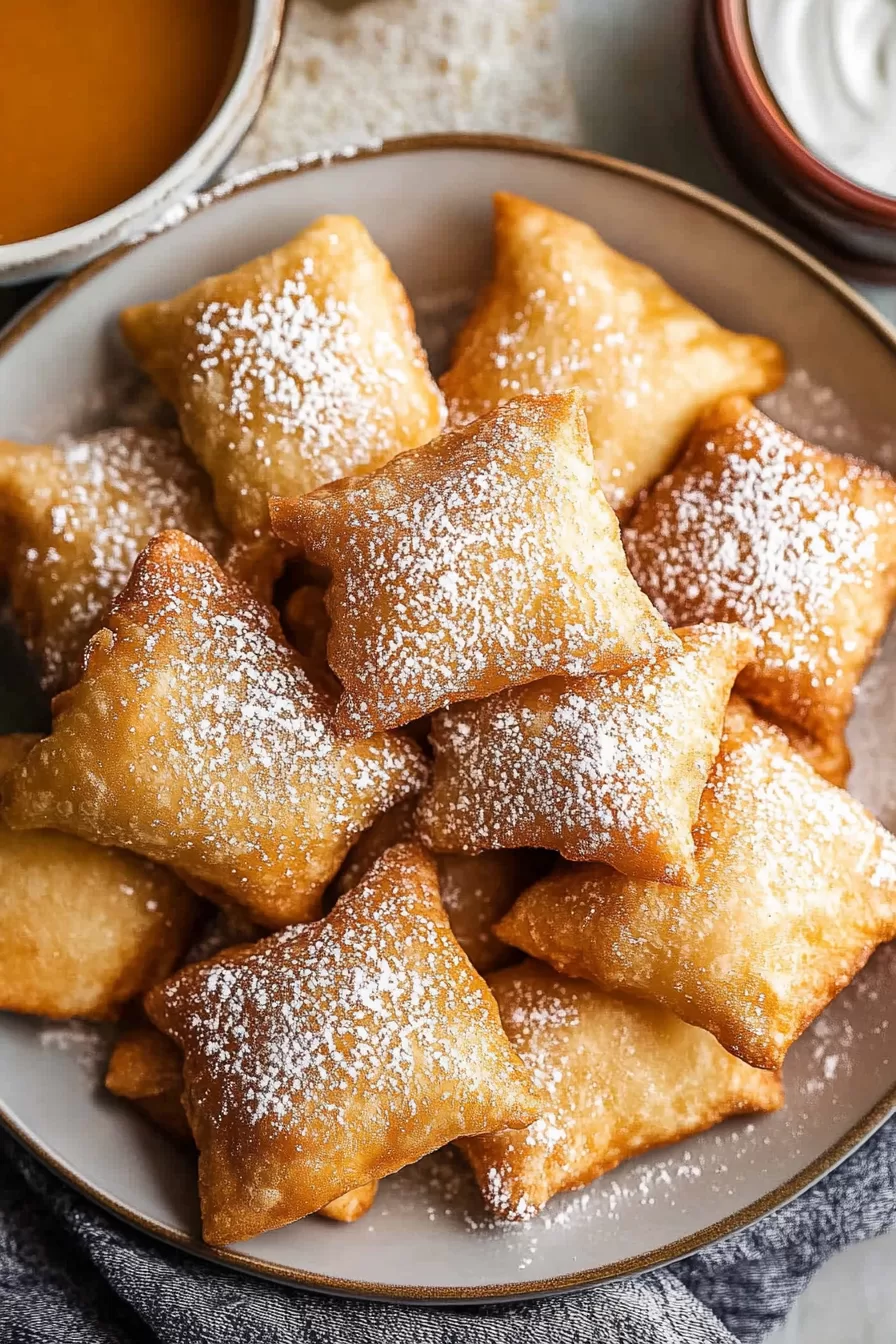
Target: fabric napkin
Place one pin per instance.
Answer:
(72, 1274)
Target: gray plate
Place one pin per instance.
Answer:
(427, 204)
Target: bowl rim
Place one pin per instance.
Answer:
(225, 127)
(855, 201)
(671, 1251)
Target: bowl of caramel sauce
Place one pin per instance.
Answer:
(112, 110)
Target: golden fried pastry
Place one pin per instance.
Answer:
(195, 738)
(798, 544)
(75, 516)
(348, 1208)
(331, 1054)
(488, 559)
(395, 827)
(147, 1068)
(621, 1076)
(796, 888)
(606, 768)
(258, 564)
(82, 928)
(831, 759)
(476, 889)
(295, 369)
(564, 310)
(307, 624)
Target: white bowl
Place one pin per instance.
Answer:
(57, 253)
(428, 204)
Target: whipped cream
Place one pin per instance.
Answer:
(831, 65)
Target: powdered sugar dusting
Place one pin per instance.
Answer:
(378, 995)
(618, 1077)
(541, 1025)
(574, 765)
(301, 375)
(525, 359)
(222, 750)
(757, 526)
(476, 890)
(796, 886)
(487, 560)
(83, 511)
(809, 859)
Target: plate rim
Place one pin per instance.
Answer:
(837, 1152)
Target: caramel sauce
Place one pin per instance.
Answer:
(98, 98)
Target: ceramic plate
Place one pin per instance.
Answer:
(427, 203)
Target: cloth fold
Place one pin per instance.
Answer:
(72, 1274)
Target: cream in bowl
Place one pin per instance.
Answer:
(832, 69)
(106, 121)
(802, 97)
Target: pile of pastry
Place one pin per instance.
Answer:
(523, 833)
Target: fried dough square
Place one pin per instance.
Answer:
(565, 310)
(621, 1077)
(796, 888)
(147, 1068)
(82, 928)
(195, 738)
(487, 559)
(476, 889)
(755, 525)
(76, 514)
(606, 769)
(307, 624)
(331, 1054)
(295, 369)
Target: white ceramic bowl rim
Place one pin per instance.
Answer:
(884, 1107)
(216, 142)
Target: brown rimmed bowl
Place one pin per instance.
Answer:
(844, 222)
